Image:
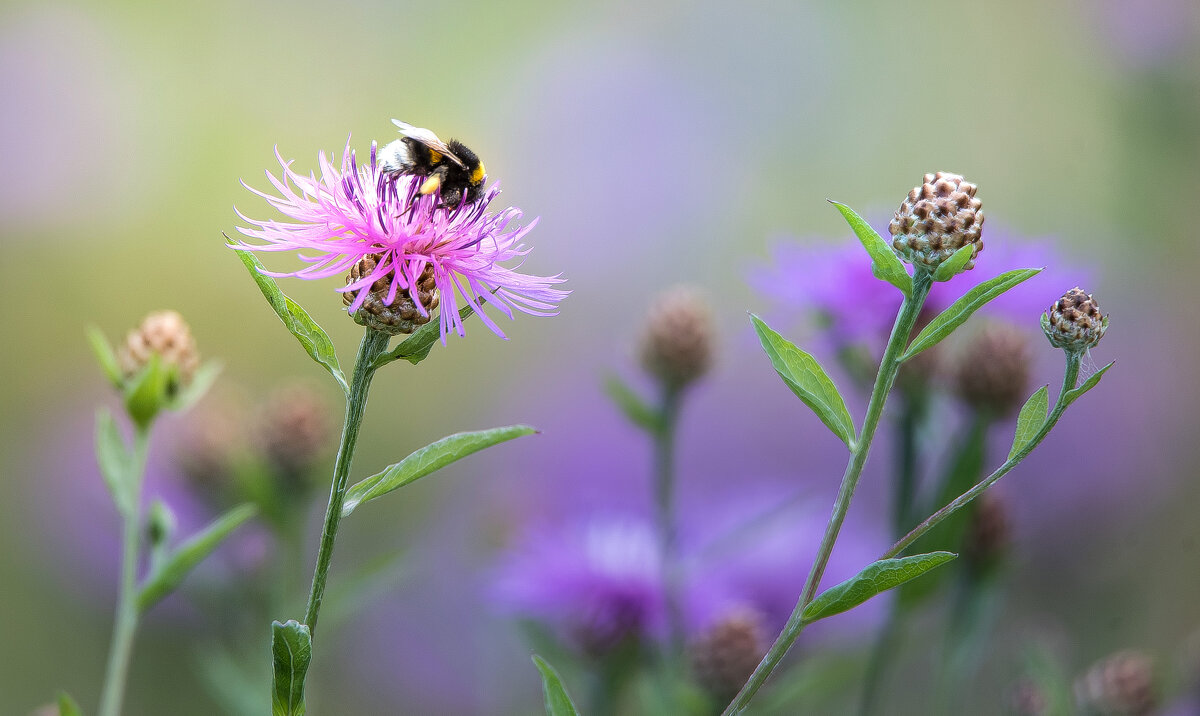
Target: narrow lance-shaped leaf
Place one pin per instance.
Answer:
(179, 562)
(204, 378)
(105, 356)
(1030, 419)
(314, 339)
(875, 578)
(115, 461)
(638, 411)
(428, 459)
(291, 650)
(954, 265)
(885, 265)
(961, 310)
(1076, 393)
(801, 372)
(558, 701)
(416, 347)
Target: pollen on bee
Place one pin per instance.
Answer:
(430, 185)
(434, 156)
(477, 174)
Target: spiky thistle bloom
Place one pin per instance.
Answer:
(350, 213)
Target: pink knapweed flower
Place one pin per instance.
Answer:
(356, 211)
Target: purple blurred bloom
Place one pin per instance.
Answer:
(834, 283)
(1147, 33)
(357, 211)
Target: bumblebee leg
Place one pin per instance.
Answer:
(434, 180)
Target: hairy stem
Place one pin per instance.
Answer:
(1070, 376)
(374, 343)
(126, 620)
(884, 380)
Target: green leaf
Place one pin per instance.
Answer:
(179, 562)
(961, 310)
(558, 701)
(808, 381)
(884, 263)
(1030, 419)
(1076, 393)
(291, 650)
(416, 347)
(115, 461)
(146, 392)
(67, 705)
(314, 339)
(428, 459)
(954, 265)
(639, 412)
(201, 382)
(105, 356)
(877, 577)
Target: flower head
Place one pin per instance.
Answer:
(1074, 322)
(357, 211)
(937, 218)
(677, 337)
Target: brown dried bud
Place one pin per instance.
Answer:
(992, 373)
(936, 219)
(400, 316)
(727, 654)
(1074, 322)
(989, 533)
(1119, 685)
(165, 334)
(208, 451)
(677, 338)
(293, 429)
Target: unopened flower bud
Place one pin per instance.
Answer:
(165, 334)
(399, 315)
(727, 654)
(677, 339)
(989, 533)
(936, 219)
(992, 373)
(1119, 685)
(1074, 322)
(293, 430)
(160, 524)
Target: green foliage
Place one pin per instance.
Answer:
(558, 701)
(1030, 420)
(314, 339)
(875, 578)
(801, 372)
(176, 564)
(416, 347)
(954, 265)
(204, 378)
(428, 459)
(961, 310)
(1076, 393)
(115, 462)
(105, 356)
(67, 705)
(291, 650)
(885, 265)
(146, 393)
(639, 412)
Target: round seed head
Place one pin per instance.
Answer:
(1119, 685)
(988, 536)
(401, 314)
(293, 430)
(1074, 322)
(992, 373)
(936, 219)
(165, 334)
(725, 656)
(677, 337)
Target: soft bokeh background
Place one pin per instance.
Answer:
(659, 143)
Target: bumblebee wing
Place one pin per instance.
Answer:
(428, 138)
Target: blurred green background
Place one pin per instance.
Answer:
(658, 142)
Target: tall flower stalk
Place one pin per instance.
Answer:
(938, 231)
(404, 254)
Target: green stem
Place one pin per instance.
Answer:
(374, 343)
(126, 621)
(884, 380)
(664, 501)
(1070, 376)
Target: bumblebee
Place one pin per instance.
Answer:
(450, 166)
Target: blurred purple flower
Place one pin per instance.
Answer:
(1146, 33)
(358, 211)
